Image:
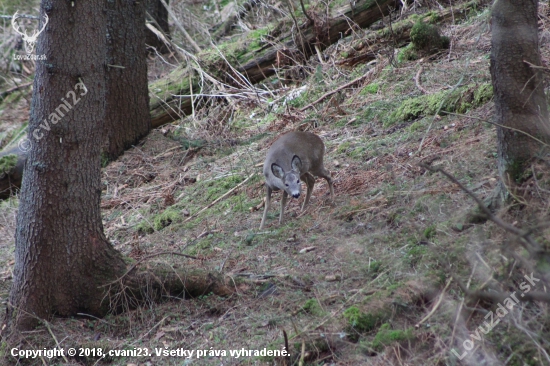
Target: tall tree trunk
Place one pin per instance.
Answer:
(520, 102)
(127, 117)
(62, 257)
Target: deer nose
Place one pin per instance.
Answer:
(296, 195)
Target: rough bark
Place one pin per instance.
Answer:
(520, 102)
(127, 118)
(61, 254)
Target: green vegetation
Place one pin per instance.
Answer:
(7, 163)
(426, 37)
(386, 336)
(429, 232)
(459, 100)
(361, 322)
(312, 307)
(371, 88)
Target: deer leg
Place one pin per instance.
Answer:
(283, 204)
(267, 204)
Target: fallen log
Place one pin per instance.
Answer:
(260, 63)
(398, 34)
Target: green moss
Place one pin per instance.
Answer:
(378, 111)
(11, 98)
(166, 218)
(483, 94)
(312, 307)
(7, 163)
(255, 37)
(343, 148)
(361, 322)
(407, 53)
(426, 37)
(216, 188)
(144, 228)
(433, 17)
(386, 337)
(372, 88)
(517, 169)
(104, 159)
(458, 100)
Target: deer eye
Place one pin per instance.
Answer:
(298, 181)
(286, 185)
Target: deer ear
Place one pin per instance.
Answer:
(296, 163)
(277, 171)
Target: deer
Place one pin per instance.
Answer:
(294, 156)
(30, 41)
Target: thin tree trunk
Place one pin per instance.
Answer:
(520, 103)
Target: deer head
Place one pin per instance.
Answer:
(30, 41)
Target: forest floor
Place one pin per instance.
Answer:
(376, 277)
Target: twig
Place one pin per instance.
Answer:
(499, 125)
(219, 198)
(180, 26)
(305, 12)
(528, 333)
(354, 81)
(99, 319)
(149, 331)
(506, 226)
(15, 88)
(436, 304)
(54, 338)
(19, 16)
(302, 354)
(417, 80)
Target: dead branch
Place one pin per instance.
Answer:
(417, 81)
(524, 235)
(220, 198)
(15, 88)
(354, 81)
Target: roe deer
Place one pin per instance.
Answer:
(293, 156)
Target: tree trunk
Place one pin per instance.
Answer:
(520, 103)
(159, 14)
(62, 257)
(127, 117)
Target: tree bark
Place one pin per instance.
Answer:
(127, 118)
(62, 257)
(520, 103)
